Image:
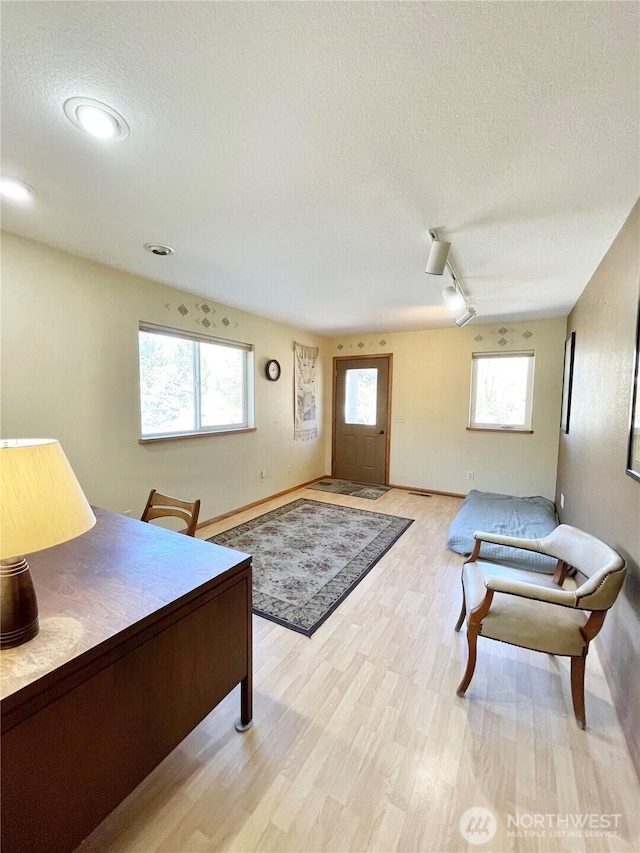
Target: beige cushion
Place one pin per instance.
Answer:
(520, 621)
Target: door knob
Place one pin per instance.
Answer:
(381, 432)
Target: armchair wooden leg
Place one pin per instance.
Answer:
(577, 688)
(463, 612)
(472, 641)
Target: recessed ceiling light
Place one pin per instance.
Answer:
(97, 122)
(96, 118)
(159, 249)
(16, 190)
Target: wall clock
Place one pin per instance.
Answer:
(273, 370)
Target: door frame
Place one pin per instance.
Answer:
(387, 431)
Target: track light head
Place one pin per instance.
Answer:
(453, 299)
(469, 314)
(438, 255)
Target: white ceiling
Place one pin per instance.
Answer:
(295, 154)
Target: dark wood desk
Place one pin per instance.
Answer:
(143, 632)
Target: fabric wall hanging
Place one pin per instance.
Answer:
(305, 402)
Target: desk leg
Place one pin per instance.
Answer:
(246, 685)
(246, 706)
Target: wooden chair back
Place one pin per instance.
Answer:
(161, 506)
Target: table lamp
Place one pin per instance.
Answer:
(41, 505)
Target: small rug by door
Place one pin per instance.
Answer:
(348, 487)
(309, 555)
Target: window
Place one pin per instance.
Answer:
(361, 396)
(191, 384)
(501, 391)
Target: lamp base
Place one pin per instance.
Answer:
(18, 603)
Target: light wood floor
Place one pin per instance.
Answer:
(361, 744)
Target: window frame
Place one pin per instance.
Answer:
(473, 424)
(246, 425)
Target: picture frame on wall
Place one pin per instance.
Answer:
(633, 457)
(567, 381)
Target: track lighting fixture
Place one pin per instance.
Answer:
(453, 295)
(453, 298)
(438, 255)
(469, 314)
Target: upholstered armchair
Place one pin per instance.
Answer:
(532, 610)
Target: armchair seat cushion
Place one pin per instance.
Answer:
(521, 621)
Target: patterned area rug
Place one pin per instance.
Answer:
(348, 487)
(309, 555)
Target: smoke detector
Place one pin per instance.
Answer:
(159, 249)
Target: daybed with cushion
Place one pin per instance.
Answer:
(526, 518)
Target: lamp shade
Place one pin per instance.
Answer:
(41, 502)
(437, 259)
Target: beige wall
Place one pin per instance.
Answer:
(70, 371)
(599, 496)
(431, 448)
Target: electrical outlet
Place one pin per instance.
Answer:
(399, 419)
(561, 501)
(263, 474)
(289, 469)
(470, 475)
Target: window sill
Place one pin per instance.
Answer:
(195, 435)
(503, 431)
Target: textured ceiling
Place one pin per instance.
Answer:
(295, 154)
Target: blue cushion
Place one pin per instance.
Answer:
(530, 518)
